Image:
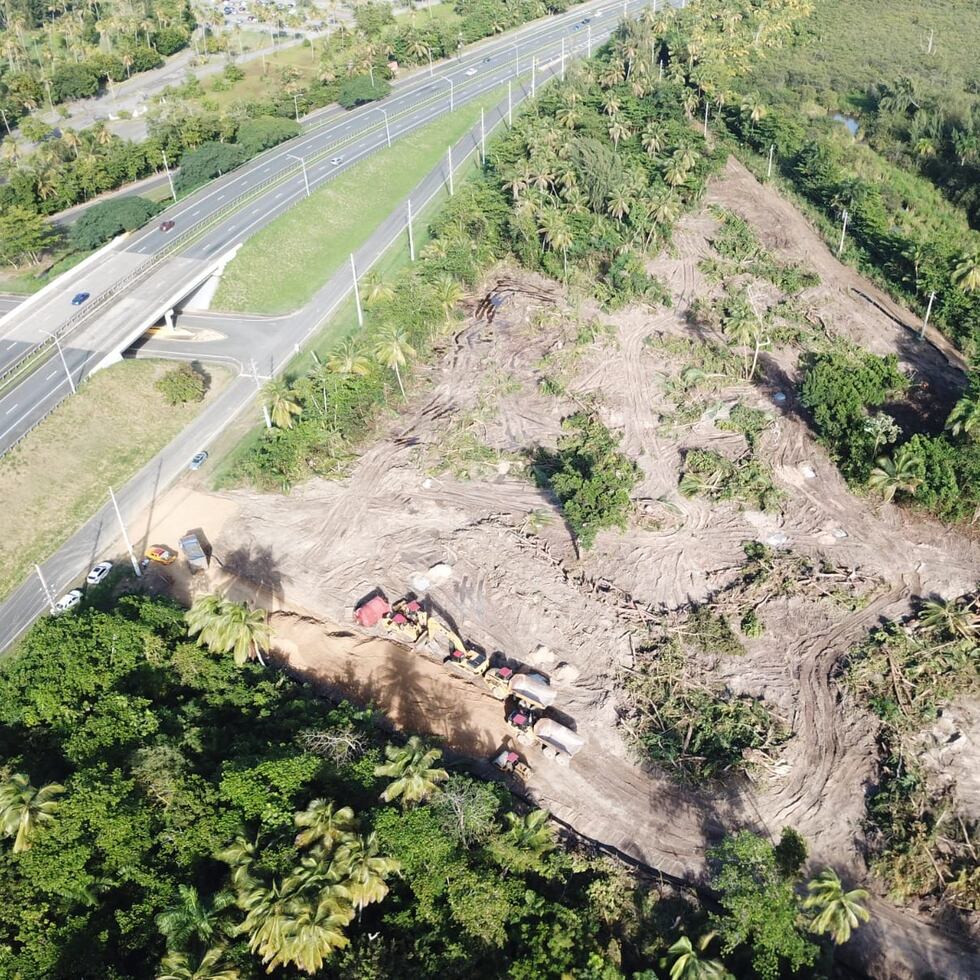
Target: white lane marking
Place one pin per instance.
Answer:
(221, 197)
(51, 375)
(278, 195)
(267, 169)
(12, 343)
(9, 410)
(196, 213)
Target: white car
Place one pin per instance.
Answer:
(470, 72)
(98, 573)
(68, 601)
(336, 161)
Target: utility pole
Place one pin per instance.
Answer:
(64, 363)
(357, 292)
(925, 322)
(125, 534)
(411, 237)
(772, 148)
(302, 163)
(483, 137)
(166, 166)
(44, 586)
(258, 388)
(449, 157)
(843, 232)
(510, 107)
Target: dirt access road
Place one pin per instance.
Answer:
(444, 482)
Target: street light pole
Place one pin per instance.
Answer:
(449, 157)
(411, 236)
(258, 388)
(296, 106)
(588, 50)
(125, 534)
(302, 163)
(387, 130)
(510, 107)
(563, 59)
(452, 93)
(166, 166)
(517, 60)
(428, 51)
(357, 292)
(534, 71)
(44, 586)
(483, 137)
(64, 363)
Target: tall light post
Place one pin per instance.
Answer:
(534, 73)
(588, 48)
(387, 129)
(449, 158)
(428, 51)
(44, 586)
(517, 60)
(166, 166)
(64, 363)
(258, 388)
(125, 534)
(302, 163)
(483, 137)
(510, 106)
(357, 292)
(411, 236)
(452, 92)
(563, 59)
(296, 106)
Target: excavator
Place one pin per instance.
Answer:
(408, 619)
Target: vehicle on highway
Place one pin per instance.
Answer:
(336, 161)
(167, 225)
(68, 601)
(470, 71)
(98, 573)
(198, 459)
(160, 553)
(79, 298)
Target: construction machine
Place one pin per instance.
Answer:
(530, 690)
(160, 553)
(557, 741)
(511, 762)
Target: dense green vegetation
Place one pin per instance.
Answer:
(590, 478)
(170, 810)
(899, 68)
(921, 842)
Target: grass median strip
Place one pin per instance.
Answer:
(59, 475)
(283, 265)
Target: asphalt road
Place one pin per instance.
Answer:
(8, 301)
(208, 224)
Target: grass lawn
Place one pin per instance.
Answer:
(262, 75)
(57, 477)
(25, 282)
(283, 265)
(439, 12)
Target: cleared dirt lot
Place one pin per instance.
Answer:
(517, 583)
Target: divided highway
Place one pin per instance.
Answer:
(358, 136)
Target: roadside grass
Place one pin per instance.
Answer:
(54, 480)
(440, 12)
(26, 282)
(282, 266)
(236, 441)
(262, 75)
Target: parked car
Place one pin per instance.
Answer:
(198, 460)
(98, 573)
(68, 601)
(79, 298)
(160, 553)
(167, 225)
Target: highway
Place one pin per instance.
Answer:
(147, 271)
(271, 348)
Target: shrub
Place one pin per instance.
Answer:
(590, 477)
(102, 222)
(182, 384)
(256, 135)
(207, 161)
(360, 89)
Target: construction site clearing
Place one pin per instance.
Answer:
(502, 630)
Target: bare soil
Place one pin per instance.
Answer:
(518, 585)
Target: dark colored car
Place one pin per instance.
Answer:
(167, 225)
(79, 298)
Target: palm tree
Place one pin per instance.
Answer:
(245, 632)
(950, 616)
(190, 920)
(181, 966)
(325, 825)
(23, 809)
(618, 130)
(965, 416)
(279, 400)
(688, 964)
(379, 290)
(393, 351)
(204, 618)
(530, 833)
(839, 912)
(412, 768)
(898, 474)
(653, 141)
(365, 870)
(557, 233)
(447, 293)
